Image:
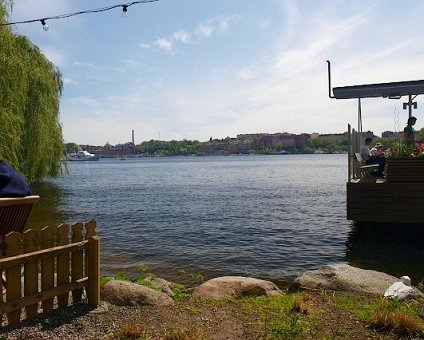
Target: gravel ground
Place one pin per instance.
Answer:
(191, 320)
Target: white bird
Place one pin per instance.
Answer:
(401, 290)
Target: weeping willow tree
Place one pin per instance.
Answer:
(30, 88)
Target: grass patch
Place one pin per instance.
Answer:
(179, 293)
(397, 322)
(132, 331)
(186, 333)
(385, 315)
(281, 317)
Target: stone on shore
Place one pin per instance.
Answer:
(235, 286)
(343, 277)
(122, 293)
(161, 285)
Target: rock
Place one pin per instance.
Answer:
(122, 293)
(235, 286)
(345, 278)
(161, 285)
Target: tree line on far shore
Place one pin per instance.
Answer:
(194, 147)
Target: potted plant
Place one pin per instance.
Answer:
(405, 163)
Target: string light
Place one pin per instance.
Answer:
(124, 14)
(45, 26)
(96, 10)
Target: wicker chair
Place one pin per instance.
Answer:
(14, 214)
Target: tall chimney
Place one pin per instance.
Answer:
(132, 131)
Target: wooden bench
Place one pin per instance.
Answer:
(363, 169)
(14, 214)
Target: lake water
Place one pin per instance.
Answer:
(269, 217)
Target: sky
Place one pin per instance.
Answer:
(195, 69)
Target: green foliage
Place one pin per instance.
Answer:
(179, 293)
(171, 148)
(181, 272)
(197, 276)
(364, 309)
(30, 86)
(279, 315)
(142, 268)
(143, 282)
(291, 329)
(104, 280)
(401, 149)
(121, 277)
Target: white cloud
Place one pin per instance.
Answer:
(218, 25)
(204, 30)
(164, 44)
(182, 36)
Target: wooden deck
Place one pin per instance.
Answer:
(385, 202)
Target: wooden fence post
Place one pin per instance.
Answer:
(63, 264)
(77, 262)
(13, 275)
(93, 270)
(30, 271)
(47, 267)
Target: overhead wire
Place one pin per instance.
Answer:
(88, 11)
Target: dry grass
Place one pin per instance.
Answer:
(398, 322)
(299, 307)
(188, 333)
(132, 331)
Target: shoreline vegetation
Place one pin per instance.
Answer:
(260, 143)
(299, 314)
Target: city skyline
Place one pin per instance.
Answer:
(186, 70)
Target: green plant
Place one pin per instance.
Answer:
(291, 329)
(400, 149)
(143, 282)
(181, 272)
(197, 276)
(142, 268)
(104, 280)
(121, 277)
(179, 292)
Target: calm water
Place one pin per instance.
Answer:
(271, 217)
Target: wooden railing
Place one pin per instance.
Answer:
(49, 268)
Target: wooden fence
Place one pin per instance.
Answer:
(49, 268)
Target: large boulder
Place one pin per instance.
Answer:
(235, 286)
(345, 278)
(122, 293)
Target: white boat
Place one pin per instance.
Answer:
(82, 155)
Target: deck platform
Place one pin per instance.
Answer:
(380, 201)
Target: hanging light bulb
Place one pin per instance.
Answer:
(124, 14)
(45, 26)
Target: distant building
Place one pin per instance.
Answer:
(391, 134)
(333, 137)
(119, 150)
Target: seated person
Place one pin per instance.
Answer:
(12, 184)
(365, 149)
(374, 156)
(377, 151)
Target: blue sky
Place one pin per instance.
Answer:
(192, 69)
